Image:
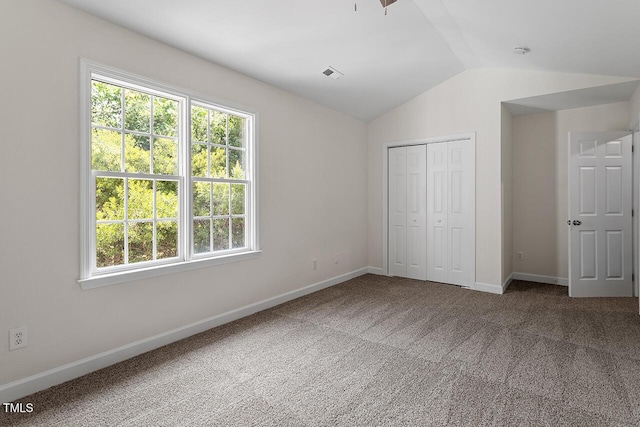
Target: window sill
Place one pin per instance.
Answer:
(162, 270)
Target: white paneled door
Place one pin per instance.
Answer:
(432, 212)
(407, 212)
(451, 212)
(600, 214)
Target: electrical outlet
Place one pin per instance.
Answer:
(520, 256)
(17, 338)
(314, 264)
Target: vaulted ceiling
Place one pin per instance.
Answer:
(386, 59)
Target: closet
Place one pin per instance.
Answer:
(431, 212)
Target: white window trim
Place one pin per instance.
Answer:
(88, 277)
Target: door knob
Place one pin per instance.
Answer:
(576, 222)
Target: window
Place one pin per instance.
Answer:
(168, 179)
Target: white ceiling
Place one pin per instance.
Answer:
(386, 60)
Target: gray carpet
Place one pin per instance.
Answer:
(379, 351)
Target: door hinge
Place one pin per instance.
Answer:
(633, 277)
(633, 148)
(633, 212)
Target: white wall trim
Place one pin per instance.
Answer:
(550, 280)
(507, 282)
(376, 270)
(487, 287)
(32, 384)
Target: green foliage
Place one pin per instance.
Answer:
(136, 153)
(146, 153)
(137, 109)
(106, 104)
(165, 117)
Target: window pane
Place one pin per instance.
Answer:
(140, 241)
(167, 199)
(218, 162)
(109, 199)
(237, 225)
(201, 199)
(220, 234)
(136, 153)
(236, 131)
(220, 199)
(199, 160)
(109, 245)
(237, 198)
(165, 156)
(137, 111)
(106, 150)
(165, 116)
(140, 199)
(236, 164)
(218, 127)
(201, 236)
(199, 124)
(106, 104)
(167, 240)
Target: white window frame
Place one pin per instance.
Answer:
(90, 276)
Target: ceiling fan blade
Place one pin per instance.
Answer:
(386, 3)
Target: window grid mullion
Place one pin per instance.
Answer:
(185, 210)
(154, 223)
(226, 141)
(123, 144)
(211, 220)
(126, 221)
(151, 136)
(136, 175)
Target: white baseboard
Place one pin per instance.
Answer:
(486, 287)
(375, 270)
(551, 280)
(26, 386)
(507, 282)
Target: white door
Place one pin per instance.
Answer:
(437, 213)
(451, 212)
(600, 203)
(407, 212)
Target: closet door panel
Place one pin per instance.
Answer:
(397, 211)
(437, 213)
(461, 219)
(416, 212)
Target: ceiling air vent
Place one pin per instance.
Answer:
(333, 73)
(521, 50)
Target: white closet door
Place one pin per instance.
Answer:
(451, 212)
(462, 212)
(397, 211)
(437, 207)
(416, 212)
(407, 212)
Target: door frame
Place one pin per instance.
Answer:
(467, 136)
(634, 128)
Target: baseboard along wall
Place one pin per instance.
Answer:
(26, 386)
(528, 277)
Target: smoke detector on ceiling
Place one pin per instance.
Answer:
(521, 50)
(332, 73)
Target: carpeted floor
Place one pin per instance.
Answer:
(379, 351)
